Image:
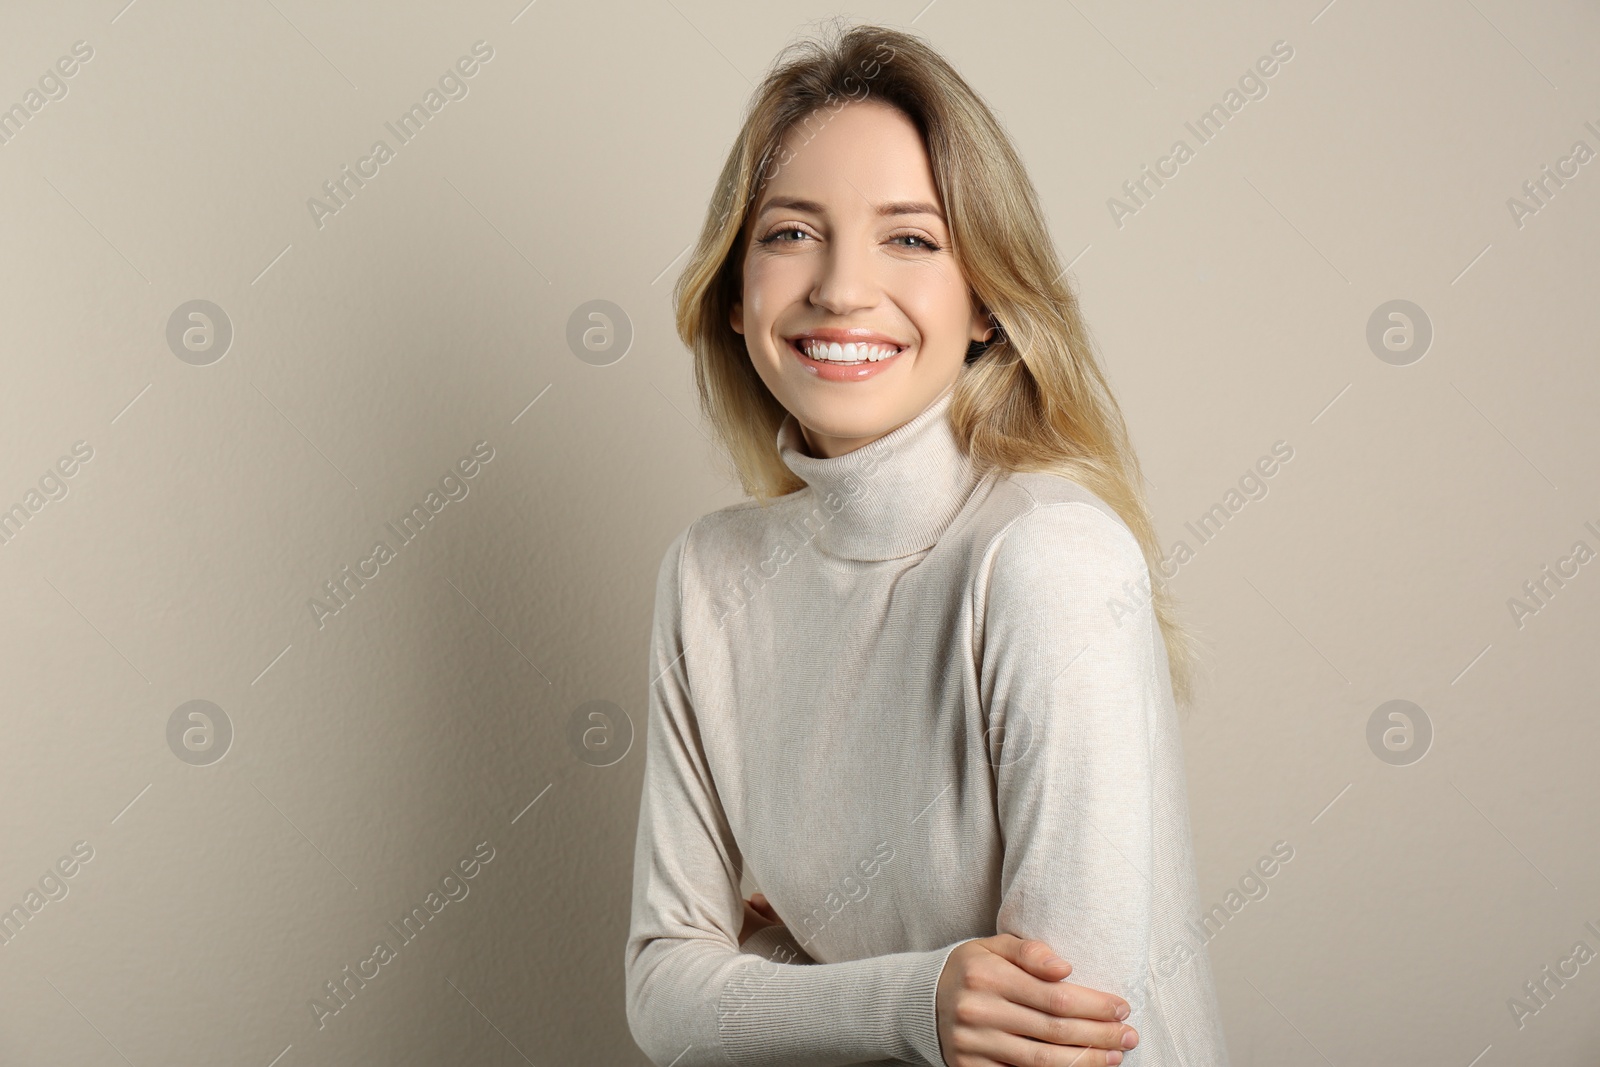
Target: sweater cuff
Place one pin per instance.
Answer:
(872, 1009)
(922, 1020)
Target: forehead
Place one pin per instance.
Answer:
(848, 160)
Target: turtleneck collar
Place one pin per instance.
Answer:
(891, 498)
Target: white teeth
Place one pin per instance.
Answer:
(850, 353)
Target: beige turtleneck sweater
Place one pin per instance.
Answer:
(918, 704)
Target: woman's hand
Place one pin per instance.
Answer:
(758, 915)
(1000, 997)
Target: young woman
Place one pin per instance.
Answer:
(921, 688)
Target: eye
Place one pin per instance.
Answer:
(926, 243)
(772, 238)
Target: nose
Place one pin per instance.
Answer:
(847, 282)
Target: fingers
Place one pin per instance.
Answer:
(1039, 1026)
(1069, 1055)
(1037, 961)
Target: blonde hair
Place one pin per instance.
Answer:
(1036, 400)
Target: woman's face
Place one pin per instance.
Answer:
(847, 239)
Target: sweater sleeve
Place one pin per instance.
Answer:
(693, 996)
(1089, 776)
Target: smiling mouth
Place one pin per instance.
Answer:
(850, 355)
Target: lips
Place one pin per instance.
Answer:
(837, 371)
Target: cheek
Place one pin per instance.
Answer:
(771, 286)
(757, 317)
(937, 304)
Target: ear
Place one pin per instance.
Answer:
(982, 325)
(736, 315)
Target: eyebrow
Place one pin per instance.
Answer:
(892, 207)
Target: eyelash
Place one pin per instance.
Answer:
(927, 242)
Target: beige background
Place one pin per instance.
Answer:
(370, 354)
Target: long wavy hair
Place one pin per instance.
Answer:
(1034, 398)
